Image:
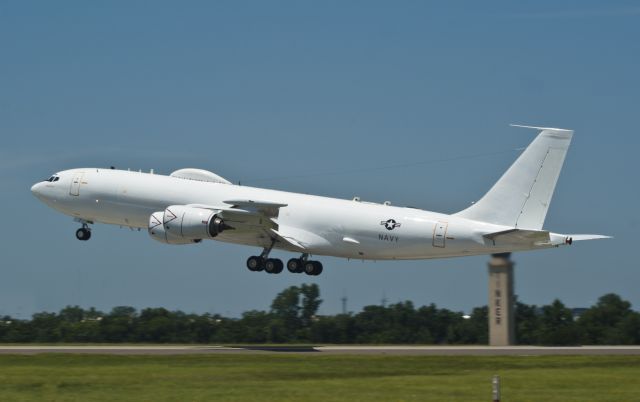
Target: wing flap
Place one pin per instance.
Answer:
(288, 240)
(300, 238)
(261, 218)
(256, 216)
(267, 208)
(250, 212)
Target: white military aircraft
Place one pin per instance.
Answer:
(191, 205)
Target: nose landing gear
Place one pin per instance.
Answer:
(84, 233)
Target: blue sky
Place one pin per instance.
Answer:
(316, 97)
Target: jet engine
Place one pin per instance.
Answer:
(179, 224)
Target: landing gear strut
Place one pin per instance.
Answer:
(84, 233)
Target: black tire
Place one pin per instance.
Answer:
(271, 266)
(294, 265)
(280, 266)
(313, 268)
(255, 263)
(310, 268)
(83, 234)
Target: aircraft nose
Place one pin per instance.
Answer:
(36, 189)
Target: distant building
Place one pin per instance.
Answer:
(577, 312)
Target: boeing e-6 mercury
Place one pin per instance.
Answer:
(191, 205)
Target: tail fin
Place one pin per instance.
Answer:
(522, 195)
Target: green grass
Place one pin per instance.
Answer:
(316, 377)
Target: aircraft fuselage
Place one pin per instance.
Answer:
(328, 226)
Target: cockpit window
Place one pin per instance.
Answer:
(53, 178)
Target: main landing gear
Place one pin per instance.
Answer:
(302, 264)
(269, 265)
(84, 233)
(275, 266)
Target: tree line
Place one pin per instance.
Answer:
(293, 318)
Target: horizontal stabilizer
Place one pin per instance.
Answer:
(535, 238)
(580, 237)
(539, 128)
(519, 237)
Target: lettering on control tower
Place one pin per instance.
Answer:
(498, 304)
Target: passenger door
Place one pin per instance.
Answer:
(439, 234)
(75, 183)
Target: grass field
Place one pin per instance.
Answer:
(291, 377)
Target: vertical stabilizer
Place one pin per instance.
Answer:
(522, 195)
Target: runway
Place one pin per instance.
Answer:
(323, 350)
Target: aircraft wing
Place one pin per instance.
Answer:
(247, 214)
(257, 219)
(267, 208)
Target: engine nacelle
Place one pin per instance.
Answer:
(157, 232)
(179, 224)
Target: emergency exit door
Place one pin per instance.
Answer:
(439, 234)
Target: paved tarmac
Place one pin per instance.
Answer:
(319, 350)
